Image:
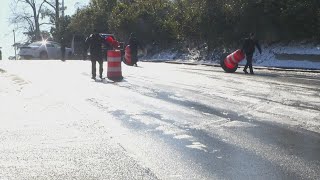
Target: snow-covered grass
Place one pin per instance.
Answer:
(268, 57)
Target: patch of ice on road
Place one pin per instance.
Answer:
(183, 136)
(168, 130)
(238, 124)
(225, 113)
(215, 151)
(198, 146)
(150, 121)
(176, 176)
(177, 98)
(207, 114)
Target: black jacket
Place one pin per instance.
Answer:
(134, 44)
(94, 42)
(249, 46)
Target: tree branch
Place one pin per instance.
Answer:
(46, 24)
(40, 7)
(32, 4)
(50, 4)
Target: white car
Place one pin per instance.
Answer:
(43, 50)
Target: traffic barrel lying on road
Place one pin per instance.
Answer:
(127, 56)
(114, 65)
(230, 63)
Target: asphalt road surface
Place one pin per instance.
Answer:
(163, 121)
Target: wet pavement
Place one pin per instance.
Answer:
(163, 121)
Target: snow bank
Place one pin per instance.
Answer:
(269, 57)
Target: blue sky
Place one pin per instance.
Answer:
(6, 33)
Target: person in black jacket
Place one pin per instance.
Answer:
(94, 42)
(248, 48)
(134, 45)
(63, 49)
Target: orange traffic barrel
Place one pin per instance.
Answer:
(231, 62)
(114, 65)
(127, 56)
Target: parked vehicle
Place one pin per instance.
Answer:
(79, 47)
(43, 50)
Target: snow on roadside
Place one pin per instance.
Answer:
(267, 58)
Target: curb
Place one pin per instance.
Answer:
(288, 69)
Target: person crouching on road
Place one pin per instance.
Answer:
(248, 48)
(94, 42)
(134, 45)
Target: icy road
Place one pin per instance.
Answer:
(163, 121)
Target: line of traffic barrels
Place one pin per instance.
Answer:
(229, 64)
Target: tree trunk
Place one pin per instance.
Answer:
(36, 22)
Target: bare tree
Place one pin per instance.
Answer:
(55, 19)
(26, 15)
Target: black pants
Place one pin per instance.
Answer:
(94, 60)
(134, 56)
(249, 63)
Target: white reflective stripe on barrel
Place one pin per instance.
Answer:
(228, 60)
(114, 69)
(114, 59)
(233, 59)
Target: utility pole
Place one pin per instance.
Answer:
(57, 19)
(62, 36)
(63, 10)
(15, 45)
